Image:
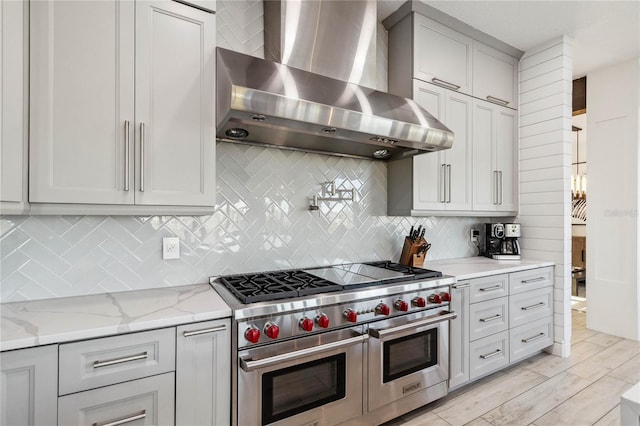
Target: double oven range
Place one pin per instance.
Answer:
(357, 343)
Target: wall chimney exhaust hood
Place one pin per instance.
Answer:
(324, 107)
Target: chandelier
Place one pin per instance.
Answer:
(579, 180)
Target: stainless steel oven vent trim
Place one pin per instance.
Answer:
(295, 107)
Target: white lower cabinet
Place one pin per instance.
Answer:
(203, 376)
(29, 386)
(502, 319)
(148, 401)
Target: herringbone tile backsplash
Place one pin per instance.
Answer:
(262, 222)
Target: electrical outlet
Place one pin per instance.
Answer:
(171, 248)
(474, 234)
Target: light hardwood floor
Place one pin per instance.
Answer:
(545, 390)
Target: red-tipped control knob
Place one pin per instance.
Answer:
(322, 320)
(271, 330)
(252, 334)
(351, 315)
(382, 309)
(419, 302)
(401, 305)
(435, 298)
(306, 324)
(446, 297)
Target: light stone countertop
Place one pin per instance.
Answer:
(476, 267)
(47, 321)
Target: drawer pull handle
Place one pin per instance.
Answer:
(204, 331)
(457, 286)
(533, 280)
(497, 100)
(123, 420)
(446, 84)
(537, 305)
(492, 354)
(98, 364)
(534, 338)
(495, 287)
(493, 318)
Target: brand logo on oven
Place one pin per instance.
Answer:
(412, 387)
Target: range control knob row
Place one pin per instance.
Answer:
(351, 315)
(252, 334)
(382, 309)
(271, 330)
(322, 320)
(419, 302)
(401, 305)
(306, 324)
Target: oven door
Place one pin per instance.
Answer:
(311, 380)
(407, 355)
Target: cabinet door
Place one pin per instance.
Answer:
(429, 169)
(13, 81)
(148, 401)
(202, 374)
(458, 117)
(442, 55)
(29, 386)
(495, 75)
(507, 159)
(459, 336)
(82, 77)
(484, 172)
(175, 84)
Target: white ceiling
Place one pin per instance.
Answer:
(604, 32)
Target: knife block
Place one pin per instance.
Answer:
(410, 249)
(417, 260)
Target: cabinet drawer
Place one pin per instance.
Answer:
(101, 362)
(489, 317)
(530, 280)
(530, 306)
(489, 288)
(530, 338)
(488, 354)
(147, 401)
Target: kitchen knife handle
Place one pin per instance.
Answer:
(127, 156)
(141, 157)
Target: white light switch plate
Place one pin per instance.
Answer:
(171, 248)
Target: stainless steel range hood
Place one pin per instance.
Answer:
(266, 102)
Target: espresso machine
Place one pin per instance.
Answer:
(501, 241)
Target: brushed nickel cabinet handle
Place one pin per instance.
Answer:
(448, 183)
(537, 305)
(445, 84)
(500, 192)
(443, 187)
(123, 420)
(495, 187)
(497, 100)
(495, 287)
(492, 354)
(457, 286)
(127, 156)
(533, 280)
(204, 331)
(534, 338)
(141, 157)
(98, 364)
(489, 319)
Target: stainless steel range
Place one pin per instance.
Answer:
(359, 343)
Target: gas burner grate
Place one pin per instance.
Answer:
(250, 288)
(418, 273)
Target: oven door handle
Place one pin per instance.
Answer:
(381, 333)
(248, 365)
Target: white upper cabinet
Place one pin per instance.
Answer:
(122, 103)
(495, 76)
(442, 56)
(13, 106)
(442, 181)
(495, 180)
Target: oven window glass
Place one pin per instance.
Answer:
(409, 354)
(292, 390)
